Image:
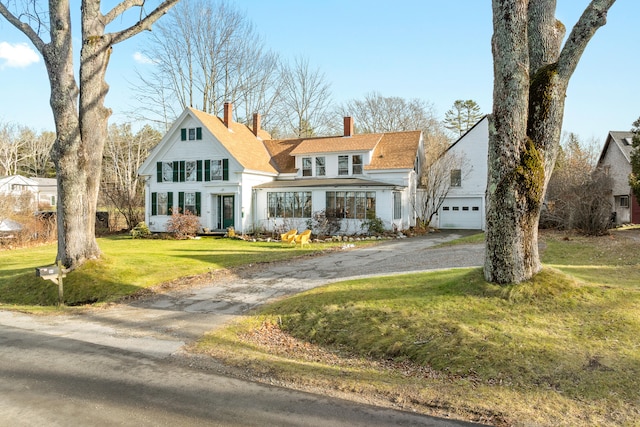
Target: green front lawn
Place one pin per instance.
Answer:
(128, 266)
(562, 349)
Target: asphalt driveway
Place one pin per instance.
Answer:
(47, 361)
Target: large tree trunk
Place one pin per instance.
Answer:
(76, 240)
(531, 75)
(80, 129)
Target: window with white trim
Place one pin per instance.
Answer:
(320, 166)
(356, 164)
(343, 165)
(307, 166)
(397, 205)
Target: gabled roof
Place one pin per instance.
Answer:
(240, 141)
(393, 150)
(485, 117)
(364, 142)
(396, 150)
(622, 140)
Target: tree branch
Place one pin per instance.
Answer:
(23, 27)
(593, 17)
(143, 24)
(120, 9)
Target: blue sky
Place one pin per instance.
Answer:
(438, 51)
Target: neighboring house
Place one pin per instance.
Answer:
(615, 161)
(43, 191)
(464, 205)
(232, 175)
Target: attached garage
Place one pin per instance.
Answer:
(465, 213)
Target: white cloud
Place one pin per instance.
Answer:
(19, 55)
(141, 58)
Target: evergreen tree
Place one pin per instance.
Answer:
(462, 116)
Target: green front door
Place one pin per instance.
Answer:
(227, 211)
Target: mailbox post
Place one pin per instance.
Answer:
(55, 273)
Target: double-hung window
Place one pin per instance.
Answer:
(343, 165)
(161, 203)
(307, 166)
(320, 166)
(189, 202)
(356, 164)
(191, 171)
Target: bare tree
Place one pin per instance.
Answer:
(435, 181)
(203, 55)
(78, 109)
(306, 100)
(574, 189)
(377, 113)
(11, 149)
(123, 156)
(37, 158)
(462, 116)
(531, 73)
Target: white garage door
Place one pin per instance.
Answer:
(461, 213)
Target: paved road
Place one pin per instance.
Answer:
(116, 365)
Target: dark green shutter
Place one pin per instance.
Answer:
(225, 169)
(176, 164)
(182, 171)
(183, 134)
(207, 170)
(198, 133)
(198, 200)
(159, 171)
(199, 170)
(170, 202)
(181, 201)
(154, 202)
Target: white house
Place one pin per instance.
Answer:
(232, 175)
(615, 160)
(464, 205)
(43, 191)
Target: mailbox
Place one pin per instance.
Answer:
(47, 271)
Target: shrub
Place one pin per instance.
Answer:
(141, 230)
(182, 226)
(373, 225)
(324, 224)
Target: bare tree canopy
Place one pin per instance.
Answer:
(378, 113)
(124, 153)
(531, 73)
(78, 107)
(204, 54)
(306, 100)
(23, 151)
(462, 116)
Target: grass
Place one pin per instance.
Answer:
(561, 349)
(128, 266)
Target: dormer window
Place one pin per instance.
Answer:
(191, 134)
(320, 166)
(343, 165)
(356, 164)
(307, 166)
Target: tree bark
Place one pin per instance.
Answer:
(531, 74)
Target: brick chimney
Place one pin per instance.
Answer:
(256, 123)
(228, 114)
(348, 126)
